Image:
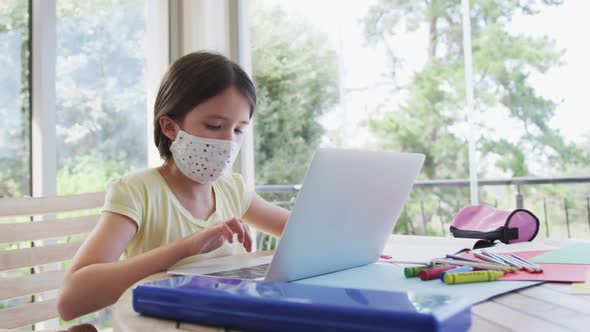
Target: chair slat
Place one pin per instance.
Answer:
(28, 314)
(15, 287)
(11, 288)
(39, 230)
(29, 206)
(14, 259)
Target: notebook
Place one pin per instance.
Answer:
(278, 306)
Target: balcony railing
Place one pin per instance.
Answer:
(565, 216)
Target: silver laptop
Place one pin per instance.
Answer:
(342, 218)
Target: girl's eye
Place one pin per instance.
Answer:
(212, 127)
(238, 131)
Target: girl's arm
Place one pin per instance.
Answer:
(266, 216)
(96, 278)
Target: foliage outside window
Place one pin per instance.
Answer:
(101, 92)
(420, 106)
(15, 171)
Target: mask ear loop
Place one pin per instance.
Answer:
(178, 130)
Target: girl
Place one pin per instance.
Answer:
(188, 209)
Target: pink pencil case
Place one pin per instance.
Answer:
(488, 223)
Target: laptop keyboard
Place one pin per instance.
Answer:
(250, 272)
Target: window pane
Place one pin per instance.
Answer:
(101, 92)
(390, 75)
(15, 171)
(361, 74)
(530, 65)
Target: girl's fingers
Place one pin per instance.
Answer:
(227, 233)
(244, 236)
(233, 226)
(237, 227)
(248, 238)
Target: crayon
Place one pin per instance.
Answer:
(434, 273)
(456, 270)
(412, 272)
(469, 277)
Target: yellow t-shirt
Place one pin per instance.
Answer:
(145, 197)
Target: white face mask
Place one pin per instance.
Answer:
(203, 160)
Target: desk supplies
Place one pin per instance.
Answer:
(463, 258)
(489, 223)
(484, 266)
(412, 272)
(527, 263)
(434, 273)
(415, 248)
(455, 270)
(518, 262)
(458, 269)
(277, 306)
(508, 260)
(488, 258)
(578, 253)
(471, 277)
(551, 272)
(389, 277)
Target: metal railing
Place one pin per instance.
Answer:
(288, 193)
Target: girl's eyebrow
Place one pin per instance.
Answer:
(221, 117)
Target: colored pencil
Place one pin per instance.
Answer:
(536, 267)
(484, 266)
(489, 259)
(463, 258)
(504, 259)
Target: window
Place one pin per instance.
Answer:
(391, 75)
(107, 61)
(101, 92)
(352, 78)
(538, 99)
(15, 170)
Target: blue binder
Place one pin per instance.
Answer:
(275, 306)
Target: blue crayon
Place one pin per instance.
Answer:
(455, 270)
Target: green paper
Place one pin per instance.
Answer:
(575, 254)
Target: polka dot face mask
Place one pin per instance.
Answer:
(203, 160)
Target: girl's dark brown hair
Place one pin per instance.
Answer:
(190, 81)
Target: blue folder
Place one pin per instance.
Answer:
(276, 306)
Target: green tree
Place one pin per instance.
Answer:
(296, 79)
(502, 64)
(101, 94)
(14, 99)
(100, 89)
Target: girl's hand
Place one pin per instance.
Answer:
(213, 236)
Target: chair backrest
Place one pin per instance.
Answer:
(24, 272)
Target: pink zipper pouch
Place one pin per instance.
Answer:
(488, 223)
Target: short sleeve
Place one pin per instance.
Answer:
(124, 198)
(245, 194)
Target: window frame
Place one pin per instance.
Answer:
(43, 86)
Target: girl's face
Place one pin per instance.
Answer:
(223, 117)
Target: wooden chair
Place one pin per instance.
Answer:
(23, 272)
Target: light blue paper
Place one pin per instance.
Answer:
(388, 277)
